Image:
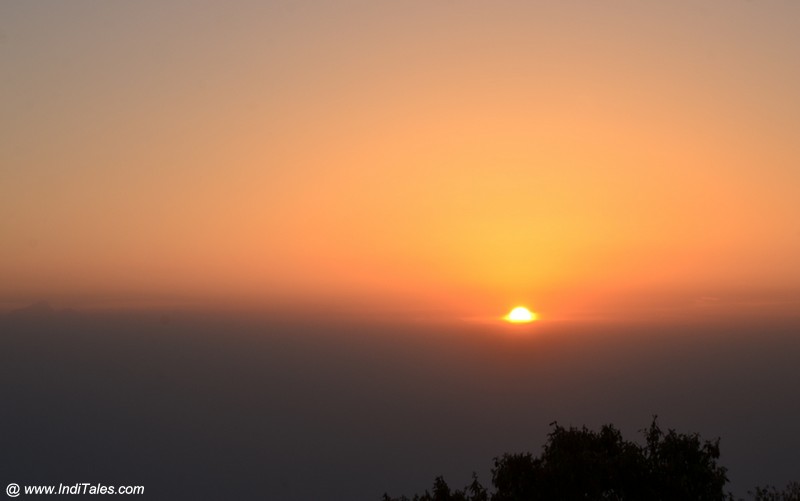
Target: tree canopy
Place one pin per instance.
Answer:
(581, 464)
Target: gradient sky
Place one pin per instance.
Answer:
(623, 159)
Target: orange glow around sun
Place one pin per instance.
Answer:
(520, 315)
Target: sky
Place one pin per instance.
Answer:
(278, 237)
(588, 159)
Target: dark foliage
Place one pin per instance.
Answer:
(581, 464)
(441, 492)
(769, 493)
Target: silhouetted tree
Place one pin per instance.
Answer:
(770, 493)
(575, 464)
(683, 466)
(441, 492)
(581, 464)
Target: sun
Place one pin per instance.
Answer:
(520, 315)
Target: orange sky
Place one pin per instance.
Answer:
(584, 158)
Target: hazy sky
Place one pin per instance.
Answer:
(584, 158)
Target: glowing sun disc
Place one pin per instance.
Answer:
(520, 315)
